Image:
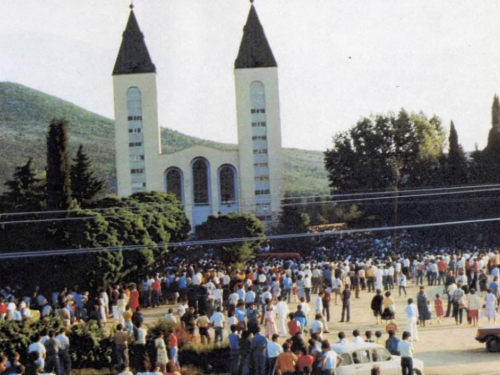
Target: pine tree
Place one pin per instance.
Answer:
(456, 161)
(84, 185)
(26, 191)
(59, 196)
(493, 146)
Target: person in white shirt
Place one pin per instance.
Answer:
(411, 312)
(273, 351)
(64, 357)
(249, 298)
(317, 327)
(181, 309)
(218, 294)
(379, 273)
(210, 287)
(282, 311)
(37, 346)
(342, 339)
(402, 283)
(356, 338)
(305, 307)
(217, 321)
(405, 349)
(169, 316)
(336, 287)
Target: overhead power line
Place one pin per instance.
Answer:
(83, 251)
(308, 199)
(370, 199)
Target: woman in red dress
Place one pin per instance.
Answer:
(134, 298)
(438, 307)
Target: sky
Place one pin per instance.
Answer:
(338, 60)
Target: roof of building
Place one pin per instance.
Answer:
(255, 51)
(133, 56)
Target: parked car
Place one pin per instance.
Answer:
(361, 358)
(489, 334)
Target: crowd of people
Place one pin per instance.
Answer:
(251, 308)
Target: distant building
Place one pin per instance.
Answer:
(205, 180)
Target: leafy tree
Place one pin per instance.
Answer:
(366, 156)
(26, 191)
(293, 220)
(84, 185)
(150, 220)
(59, 195)
(233, 225)
(387, 152)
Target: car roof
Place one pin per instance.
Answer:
(351, 347)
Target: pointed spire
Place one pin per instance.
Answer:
(133, 56)
(255, 51)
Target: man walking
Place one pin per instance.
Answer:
(405, 349)
(411, 312)
(346, 304)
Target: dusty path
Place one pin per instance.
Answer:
(445, 348)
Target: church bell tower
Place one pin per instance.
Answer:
(137, 133)
(258, 119)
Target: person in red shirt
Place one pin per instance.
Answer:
(156, 288)
(293, 325)
(305, 362)
(3, 309)
(174, 348)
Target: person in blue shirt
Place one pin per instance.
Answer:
(392, 343)
(259, 347)
(234, 350)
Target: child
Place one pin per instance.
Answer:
(368, 335)
(294, 292)
(429, 310)
(378, 339)
(438, 307)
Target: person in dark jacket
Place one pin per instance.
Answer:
(376, 305)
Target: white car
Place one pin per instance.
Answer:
(361, 358)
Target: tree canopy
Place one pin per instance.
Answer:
(385, 151)
(233, 225)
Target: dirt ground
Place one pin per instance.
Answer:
(445, 348)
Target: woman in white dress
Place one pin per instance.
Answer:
(490, 302)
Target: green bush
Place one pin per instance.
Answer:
(87, 348)
(16, 336)
(211, 358)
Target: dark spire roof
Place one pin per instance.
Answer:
(255, 51)
(133, 56)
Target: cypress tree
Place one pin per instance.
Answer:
(493, 146)
(59, 195)
(456, 161)
(84, 185)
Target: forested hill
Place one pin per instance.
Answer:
(25, 114)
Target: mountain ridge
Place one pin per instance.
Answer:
(25, 114)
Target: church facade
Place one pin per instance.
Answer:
(206, 180)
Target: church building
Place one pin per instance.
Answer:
(207, 181)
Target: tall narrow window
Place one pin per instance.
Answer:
(136, 140)
(260, 149)
(227, 184)
(174, 184)
(201, 182)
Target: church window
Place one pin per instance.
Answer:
(227, 184)
(174, 184)
(200, 182)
